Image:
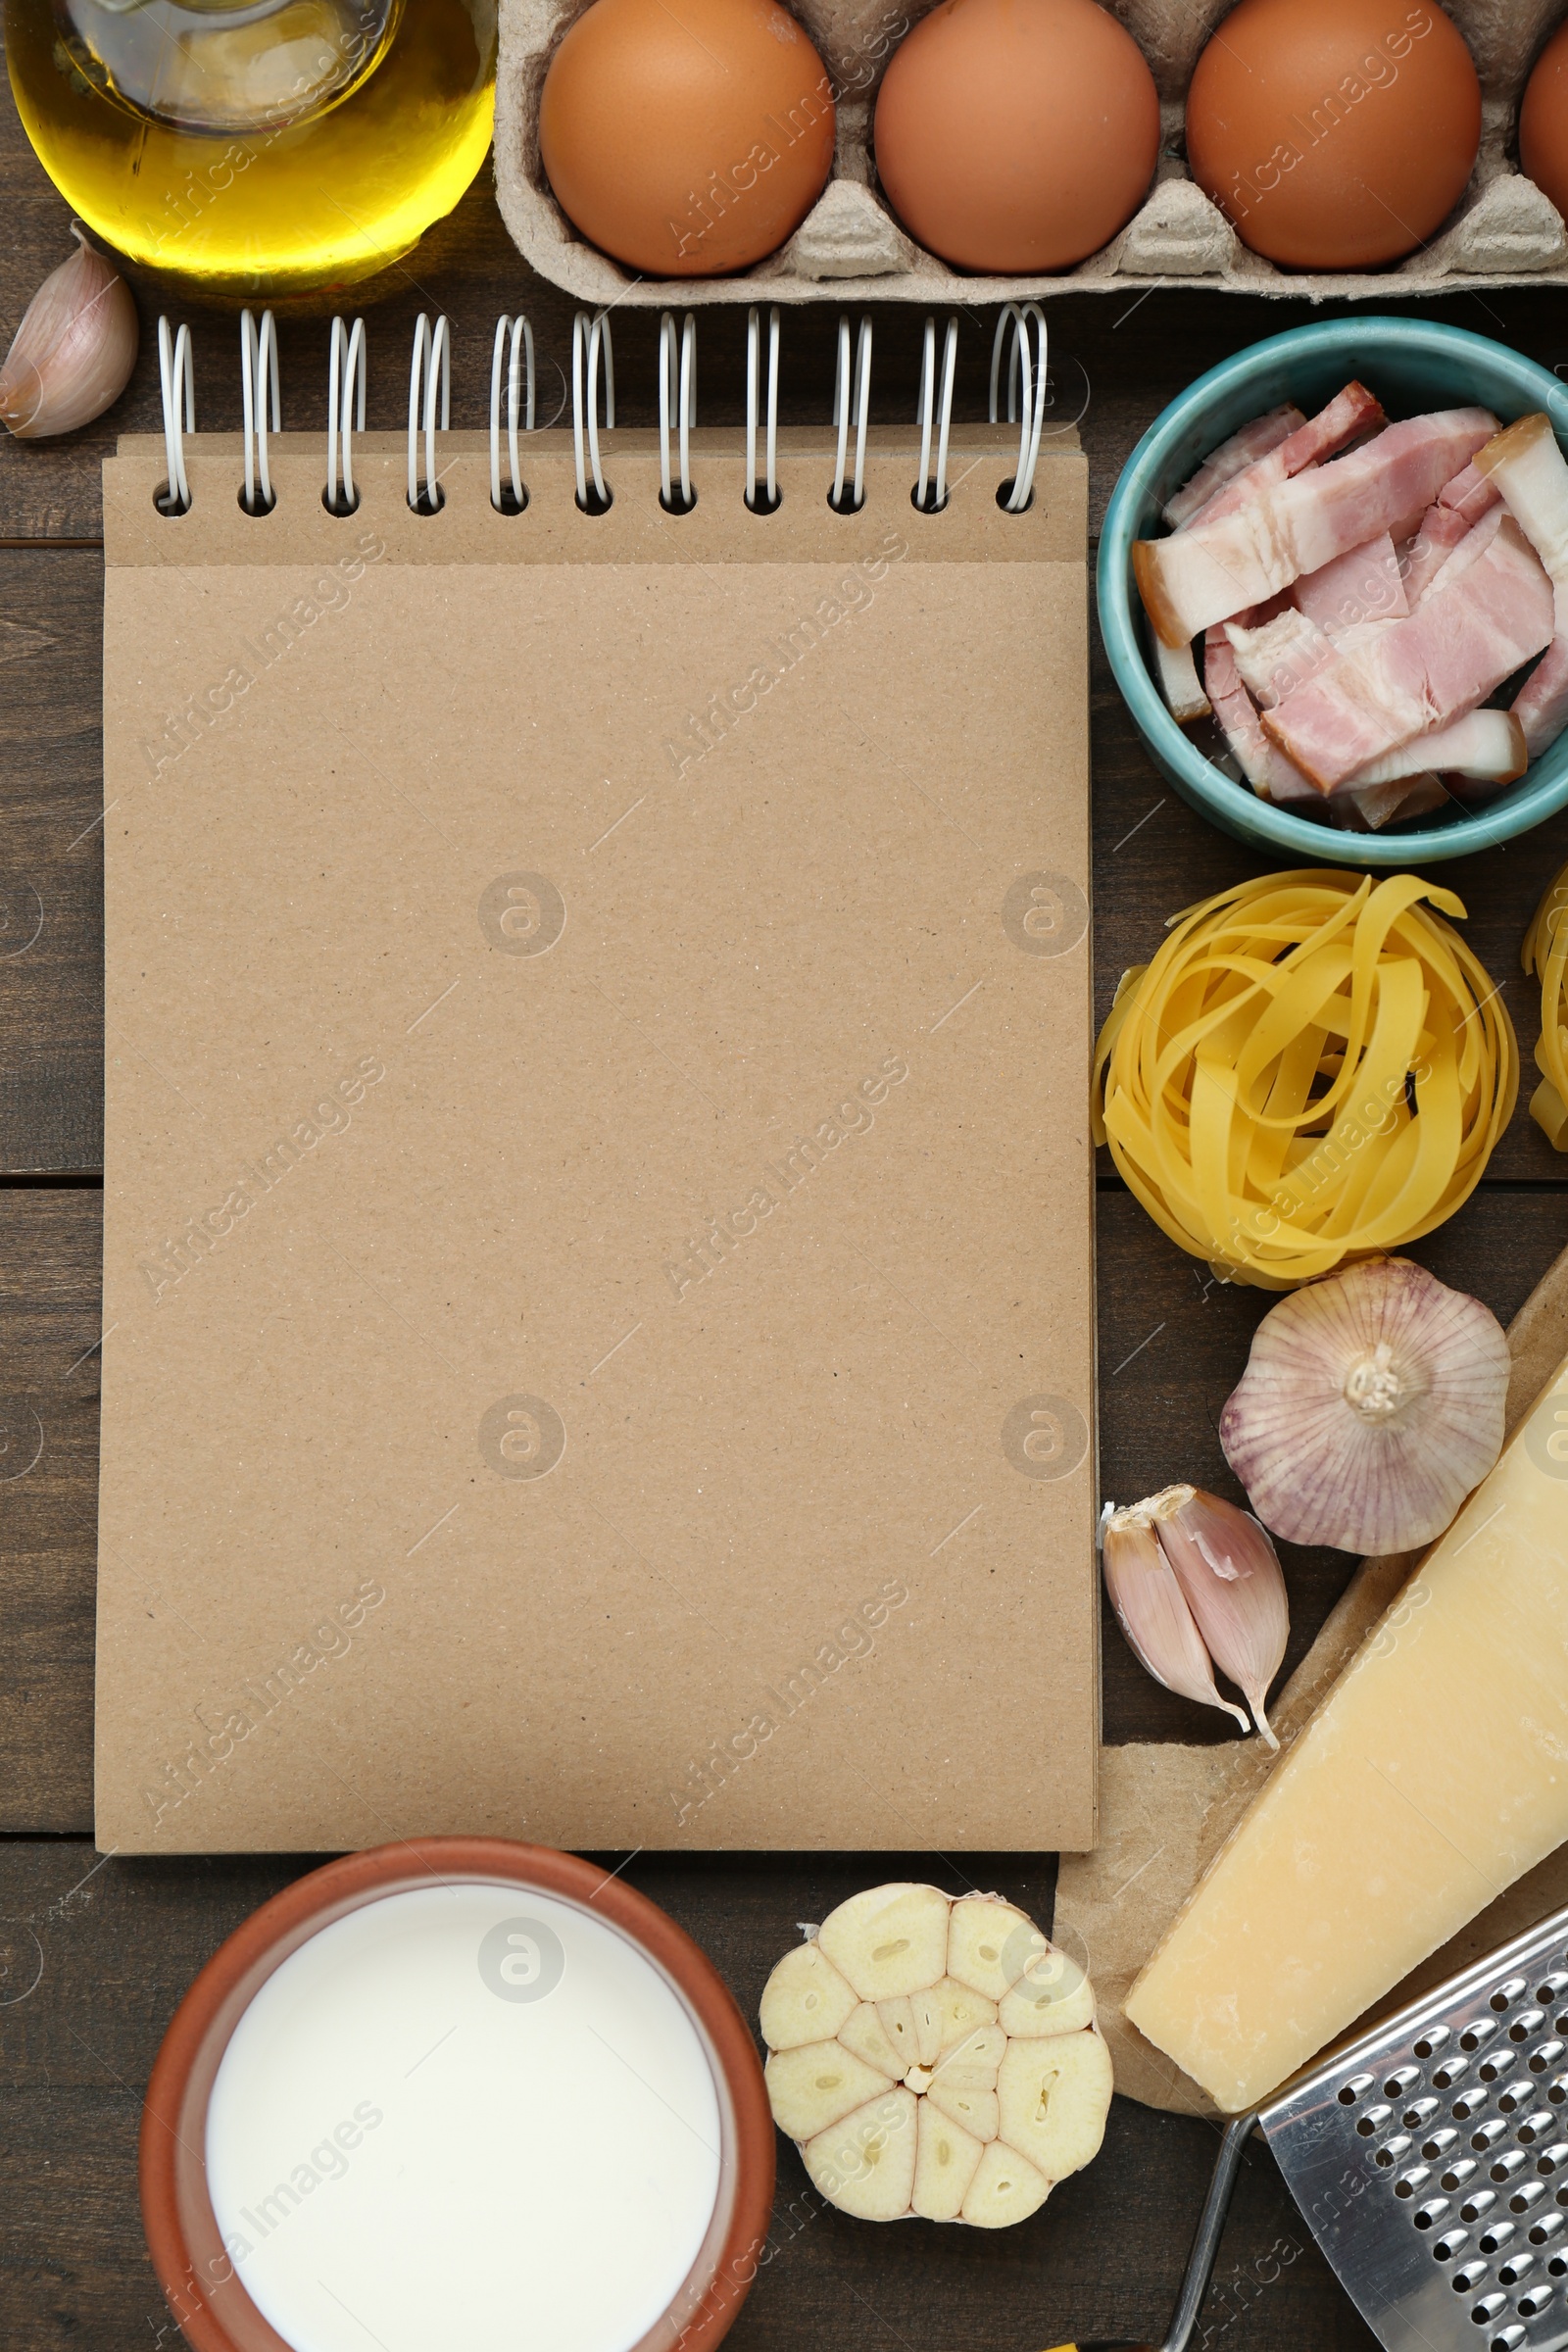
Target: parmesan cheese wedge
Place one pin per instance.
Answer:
(1434, 1775)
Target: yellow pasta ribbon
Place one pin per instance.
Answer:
(1315, 1069)
(1546, 954)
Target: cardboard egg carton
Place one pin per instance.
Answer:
(850, 248)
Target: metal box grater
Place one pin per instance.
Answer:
(1431, 2158)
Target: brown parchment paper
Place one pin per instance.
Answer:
(597, 1235)
(1167, 1810)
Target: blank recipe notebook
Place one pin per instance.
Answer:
(597, 1235)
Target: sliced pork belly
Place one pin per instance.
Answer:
(1526, 466)
(1363, 584)
(1541, 705)
(1265, 768)
(1214, 567)
(1424, 554)
(1370, 807)
(1458, 505)
(1275, 658)
(1253, 441)
(1470, 493)
(1485, 745)
(1348, 414)
(1417, 675)
(1474, 543)
(1179, 683)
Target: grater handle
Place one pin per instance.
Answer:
(1205, 2245)
(1210, 2228)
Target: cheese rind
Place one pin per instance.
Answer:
(1434, 1775)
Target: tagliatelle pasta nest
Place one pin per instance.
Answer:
(1313, 1068)
(1545, 955)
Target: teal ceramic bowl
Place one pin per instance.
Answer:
(1411, 364)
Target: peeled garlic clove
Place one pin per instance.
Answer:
(1371, 1404)
(815, 2085)
(890, 1941)
(864, 2032)
(806, 2000)
(1054, 2097)
(1235, 1587)
(978, 2111)
(72, 354)
(990, 1945)
(947, 2159)
(865, 2165)
(1152, 1612)
(1006, 2189)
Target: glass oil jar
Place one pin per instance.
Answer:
(257, 146)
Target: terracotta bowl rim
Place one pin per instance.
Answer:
(199, 2279)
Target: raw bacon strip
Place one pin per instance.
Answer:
(1471, 492)
(1214, 567)
(1350, 412)
(1423, 555)
(1363, 584)
(1541, 705)
(1266, 770)
(1370, 807)
(1419, 673)
(1177, 673)
(1458, 504)
(1474, 543)
(1526, 466)
(1255, 440)
(1487, 744)
(1283, 654)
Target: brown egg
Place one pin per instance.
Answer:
(1016, 135)
(1334, 135)
(1543, 121)
(686, 138)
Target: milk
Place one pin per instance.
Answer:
(465, 2116)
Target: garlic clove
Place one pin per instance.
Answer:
(72, 354)
(1152, 1612)
(1231, 1576)
(1371, 1404)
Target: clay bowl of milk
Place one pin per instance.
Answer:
(459, 2092)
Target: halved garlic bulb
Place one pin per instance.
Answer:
(1371, 1404)
(934, 2056)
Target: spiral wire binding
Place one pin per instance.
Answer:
(344, 414)
(1026, 393)
(753, 371)
(590, 336)
(430, 407)
(676, 391)
(431, 371)
(520, 398)
(258, 366)
(852, 393)
(176, 372)
(932, 496)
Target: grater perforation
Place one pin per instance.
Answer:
(1431, 2158)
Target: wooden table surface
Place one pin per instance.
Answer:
(95, 1953)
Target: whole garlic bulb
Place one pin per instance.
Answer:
(1371, 1404)
(72, 354)
(934, 2056)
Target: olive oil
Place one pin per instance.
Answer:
(257, 146)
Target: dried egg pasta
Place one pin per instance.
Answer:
(1313, 1067)
(1546, 954)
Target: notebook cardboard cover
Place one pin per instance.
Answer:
(599, 1204)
